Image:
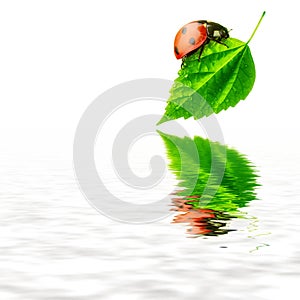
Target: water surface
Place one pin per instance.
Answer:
(55, 246)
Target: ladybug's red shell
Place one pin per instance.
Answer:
(190, 37)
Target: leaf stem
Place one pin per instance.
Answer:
(252, 35)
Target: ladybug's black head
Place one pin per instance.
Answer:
(216, 31)
(224, 33)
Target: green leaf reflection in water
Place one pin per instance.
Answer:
(236, 188)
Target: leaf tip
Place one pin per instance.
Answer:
(163, 120)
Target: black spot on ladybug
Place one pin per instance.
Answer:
(184, 30)
(176, 50)
(192, 41)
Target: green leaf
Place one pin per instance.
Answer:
(220, 79)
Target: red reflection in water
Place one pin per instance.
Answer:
(201, 221)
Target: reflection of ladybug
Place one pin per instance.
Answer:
(196, 35)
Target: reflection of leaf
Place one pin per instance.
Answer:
(237, 185)
(236, 189)
(222, 77)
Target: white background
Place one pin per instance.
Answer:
(58, 56)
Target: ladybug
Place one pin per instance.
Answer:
(197, 34)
